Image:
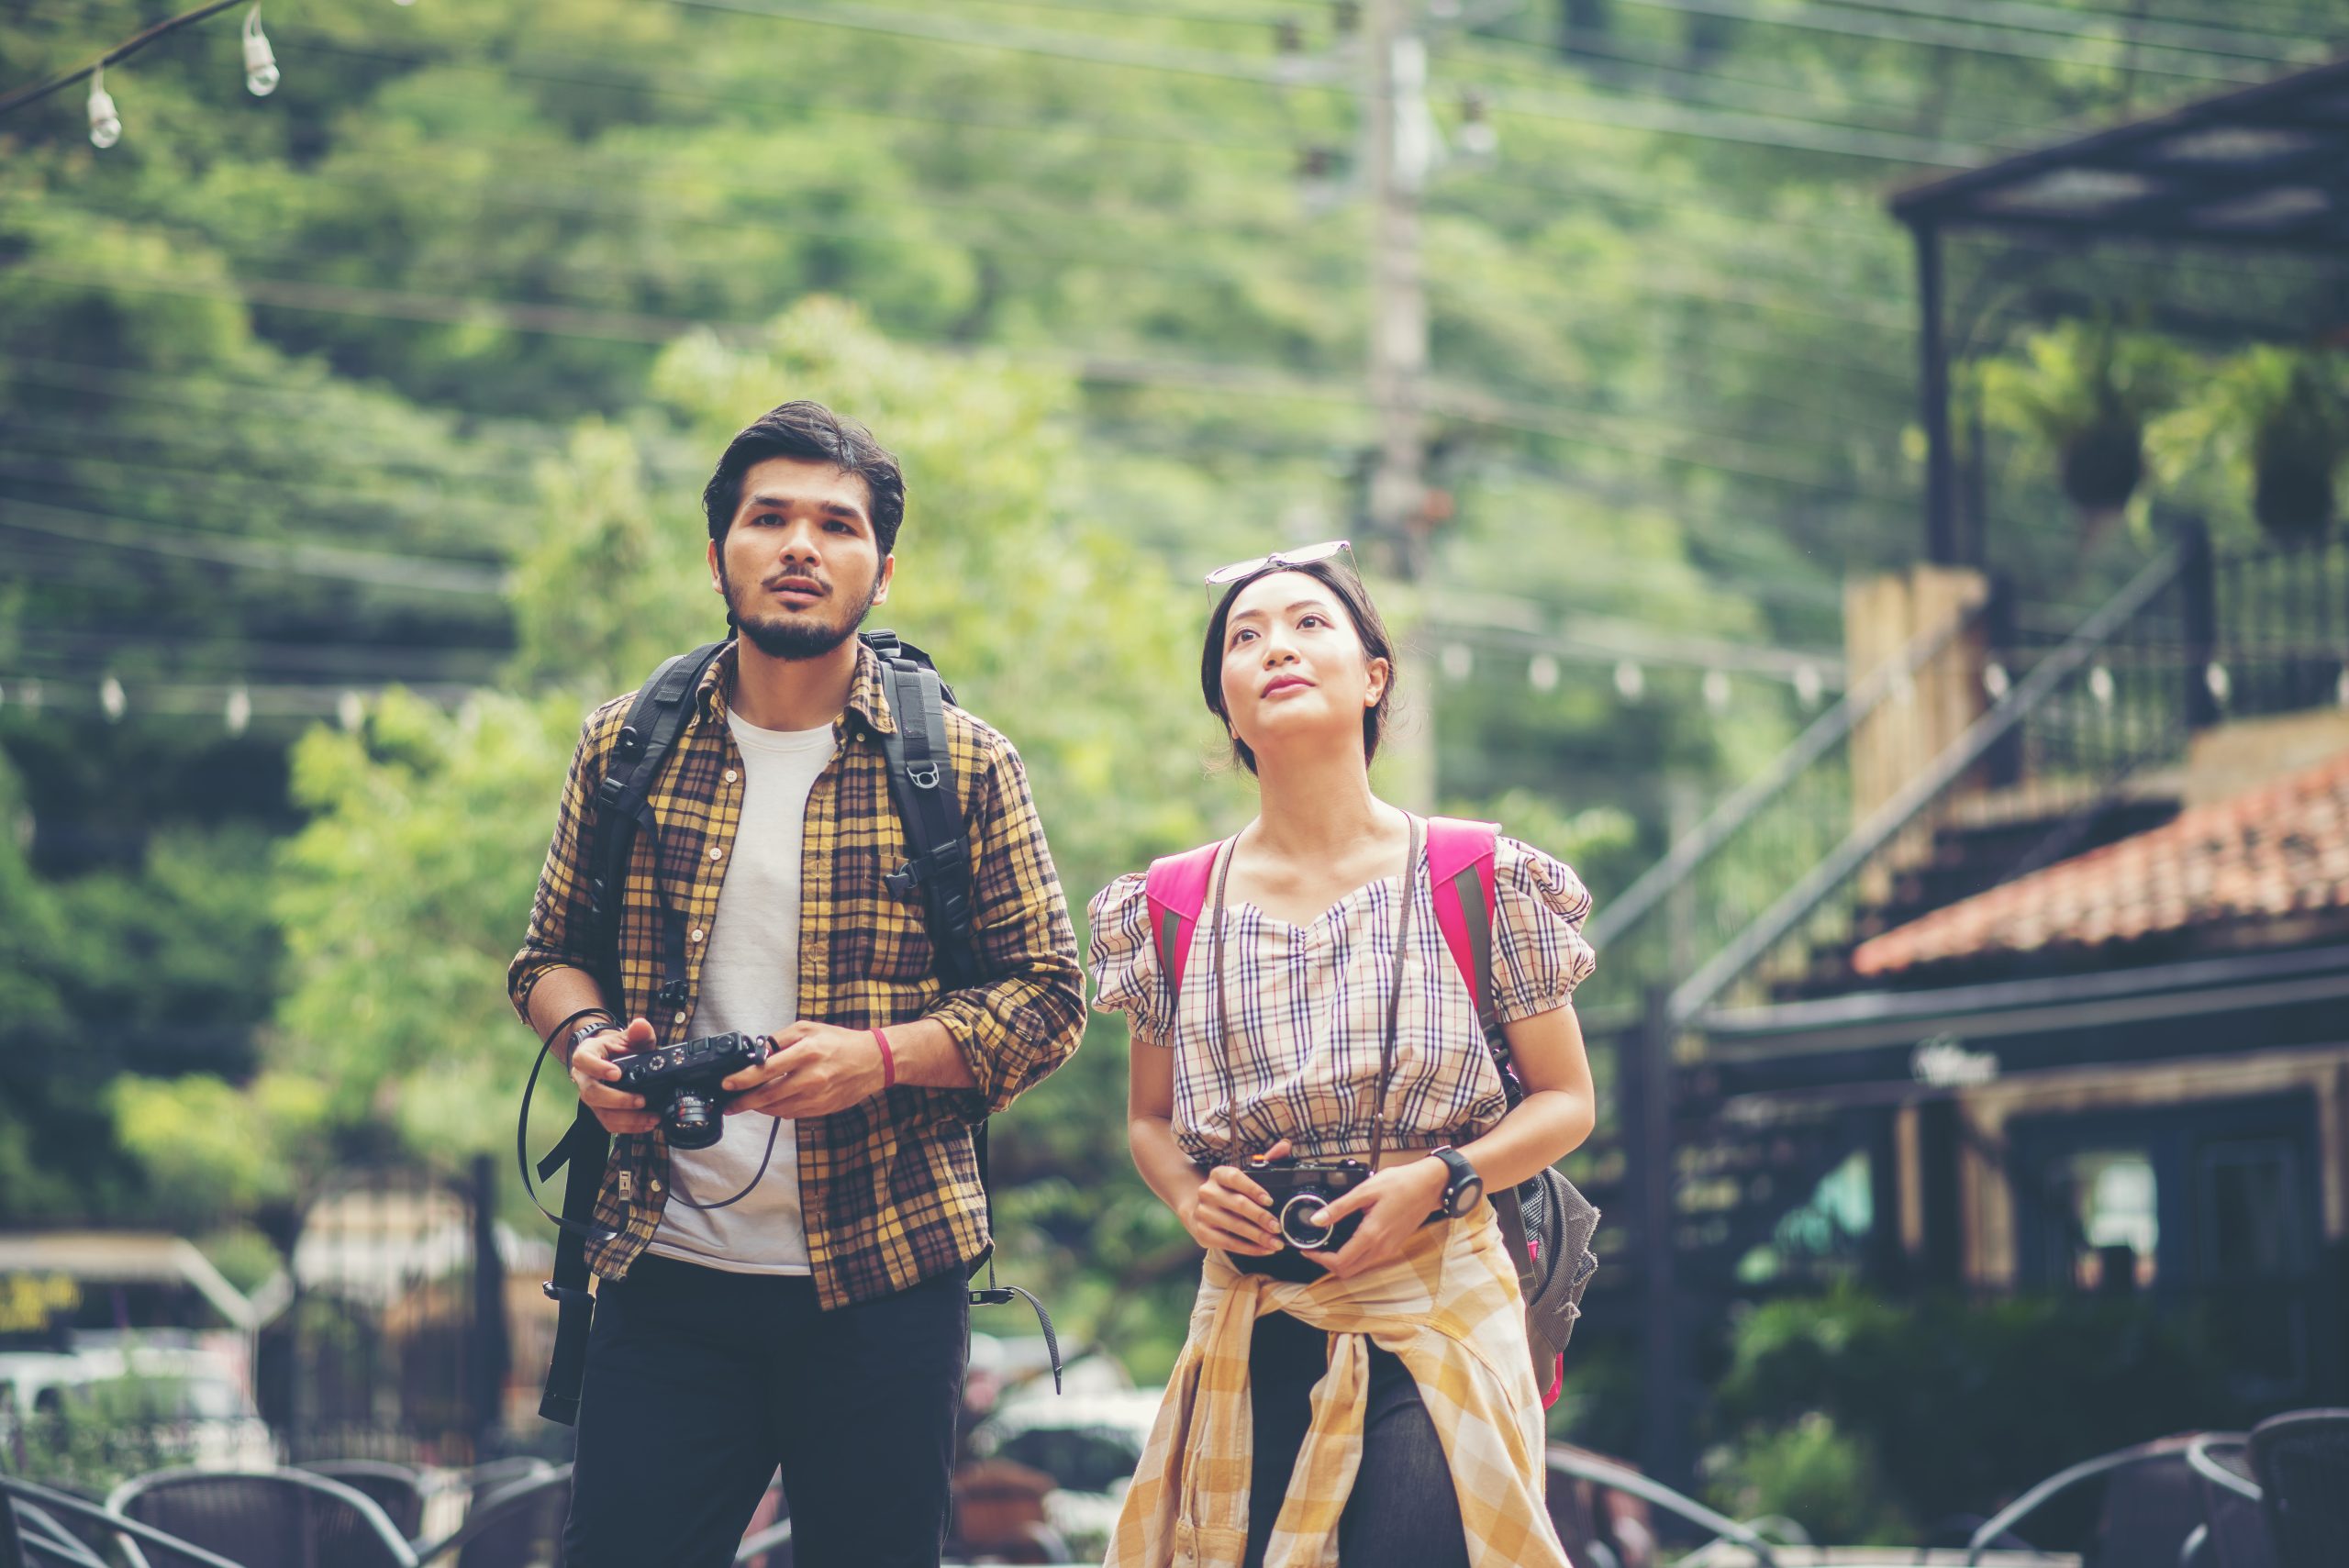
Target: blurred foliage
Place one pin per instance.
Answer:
(1924, 1390)
(411, 371)
(1808, 1471)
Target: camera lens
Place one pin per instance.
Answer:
(1298, 1228)
(693, 1122)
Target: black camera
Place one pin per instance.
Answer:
(1298, 1189)
(680, 1083)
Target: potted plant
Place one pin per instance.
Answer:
(2272, 421)
(2084, 390)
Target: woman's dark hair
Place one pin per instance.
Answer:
(806, 430)
(1375, 644)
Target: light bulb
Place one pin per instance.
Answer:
(261, 64)
(105, 125)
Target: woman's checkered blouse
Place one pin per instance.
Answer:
(1308, 1010)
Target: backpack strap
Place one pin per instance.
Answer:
(1176, 888)
(929, 806)
(1460, 865)
(622, 805)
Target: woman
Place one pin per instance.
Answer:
(1319, 1017)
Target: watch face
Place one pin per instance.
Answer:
(1465, 1196)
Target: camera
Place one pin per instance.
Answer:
(1298, 1188)
(680, 1083)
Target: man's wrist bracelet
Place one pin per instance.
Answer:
(548, 1039)
(889, 1061)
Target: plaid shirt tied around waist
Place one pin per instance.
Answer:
(889, 1187)
(1449, 1308)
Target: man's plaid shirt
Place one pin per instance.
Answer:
(889, 1187)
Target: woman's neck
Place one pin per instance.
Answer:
(1317, 806)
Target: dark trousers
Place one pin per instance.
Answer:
(1402, 1512)
(701, 1385)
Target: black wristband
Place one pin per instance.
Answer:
(598, 1011)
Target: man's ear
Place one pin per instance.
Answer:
(888, 575)
(717, 583)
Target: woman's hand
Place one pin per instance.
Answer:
(1231, 1213)
(1393, 1203)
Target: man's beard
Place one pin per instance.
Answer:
(797, 637)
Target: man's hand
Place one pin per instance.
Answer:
(593, 1070)
(816, 1068)
(1393, 1203)
(1231, 1213)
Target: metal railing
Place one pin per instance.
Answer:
(1758, 839)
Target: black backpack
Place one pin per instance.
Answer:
(929, 807)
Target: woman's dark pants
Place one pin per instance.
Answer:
(1403, 1512)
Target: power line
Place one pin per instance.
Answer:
(2146, 32)
(704, 88)
(438, 576)
(1743, 129)
(1946, 34)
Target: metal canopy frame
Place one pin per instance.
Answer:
(2262, 168)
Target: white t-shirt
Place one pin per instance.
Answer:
(750, 982)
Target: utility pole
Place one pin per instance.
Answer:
(1399, 145)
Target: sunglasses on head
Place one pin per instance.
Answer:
(1301, 556)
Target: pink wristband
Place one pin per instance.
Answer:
(889, 1061)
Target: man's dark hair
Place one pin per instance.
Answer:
(1377, 643)
(804, 428)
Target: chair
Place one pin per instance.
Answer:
(397, 1489)
(2234, 1532)
(520, 1525)
(1574, 1464)
(2301, 1458)
(281, 1519)
(2152, 1504)
(33, 1533)
(496, 1474)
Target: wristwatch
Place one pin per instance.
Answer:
(579, 1035)
(1465, 1190)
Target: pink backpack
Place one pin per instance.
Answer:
(1544, 1220)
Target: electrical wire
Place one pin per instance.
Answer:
(36, 91)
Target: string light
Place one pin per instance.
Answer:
(1717, 692)
(260, 63)
(1631, 680)
(350, 711)
(1541, 672)
(105, 125)
(1995, 681)
(112, 699)
(2221, 686)
(1809, 687)
(2100, 686)
(1479, 137)
(239, 711)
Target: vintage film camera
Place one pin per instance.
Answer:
(1298, 1188)
(680, 1083)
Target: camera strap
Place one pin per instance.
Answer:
(928, 798)
(1221, 1035)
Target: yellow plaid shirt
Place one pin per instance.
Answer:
(1448, 1307)
(889, 1187)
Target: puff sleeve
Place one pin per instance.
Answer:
(1538, 956)
(1127, 977)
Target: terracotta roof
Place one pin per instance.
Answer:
(2263, 857)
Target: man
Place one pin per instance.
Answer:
(818, 1322)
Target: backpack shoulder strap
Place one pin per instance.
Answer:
(623, 800)
(1176, 887)
(1460, 867)
(929, 806)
